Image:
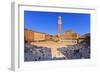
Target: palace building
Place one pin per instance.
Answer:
(70, 37)
(32, 36)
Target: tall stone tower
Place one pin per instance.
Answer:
(59, 24)
(59, 27)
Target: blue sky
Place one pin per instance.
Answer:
(47, 22)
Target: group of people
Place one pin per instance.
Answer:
(77, 51)
(36, 53)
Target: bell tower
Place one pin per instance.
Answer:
(59, 27)
(59, 24)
